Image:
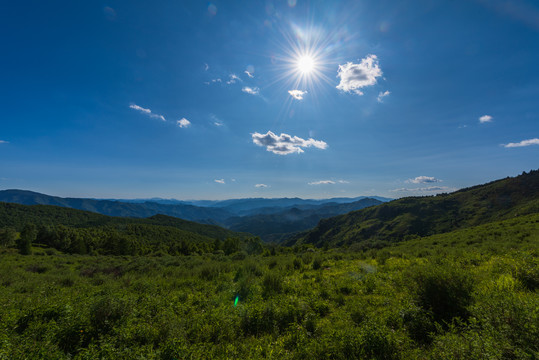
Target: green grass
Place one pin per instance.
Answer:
(470, 294)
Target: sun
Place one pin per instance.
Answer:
(305, 64)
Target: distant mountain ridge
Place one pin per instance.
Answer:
(236, 214)
(422, 216)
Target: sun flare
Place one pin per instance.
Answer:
(305, 64)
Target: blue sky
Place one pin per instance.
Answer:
(228, 99)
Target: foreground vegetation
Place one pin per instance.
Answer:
(469, 294)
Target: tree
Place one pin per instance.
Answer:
(28, 236)
(7, 236)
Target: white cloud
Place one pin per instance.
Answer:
(249, 74)
(233, 79)
(523, 143)
(147, 112)
(4, 142)
(354, 77)
(423, 180)
(426, 189)
(328, 182)
(382, 95)
(261, 186)
(297, 94)
(219, 181)
(216, 80)
(206, 67)
(216, 120)
(485, 119)
(183, 123)
(250, 90)
(285, 144)
(322, 182)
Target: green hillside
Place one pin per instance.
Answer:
(77, 231)
(422, 216)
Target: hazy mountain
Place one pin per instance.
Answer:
(275, 226)
(422, 216)
(117, 208)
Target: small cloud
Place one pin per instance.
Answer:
(4, 142)
(423, 180)
(462, 126)
(219, 181)
(523, 143)
(233, 79)
(261, 186)
(285, 144)
(250, 90)
(109, 12)
(485, 119)
(354, 77)
(183, 123)
(216, 80)
(322, 182)
(206, 67)
(297, 94)
(216, 121)
(343, 182)
(249, 74)
(382, 95)
(147, 112)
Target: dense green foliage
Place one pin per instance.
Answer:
(469, 294)
(80, 232)
(422, 216)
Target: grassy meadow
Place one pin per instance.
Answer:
(469, 294)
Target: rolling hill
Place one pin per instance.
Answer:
(422, 216)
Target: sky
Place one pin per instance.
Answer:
(293, 98)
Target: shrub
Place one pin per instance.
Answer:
(272, 284)
(443, 290)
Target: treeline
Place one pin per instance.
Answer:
(129, 239)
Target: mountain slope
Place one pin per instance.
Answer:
(16, 216)
(275, 226)
(423, 216)
(117, 208)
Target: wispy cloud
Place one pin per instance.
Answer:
(523, 143)
(250, 90)
(328, 182)
(206, 67)
(216, 80)
(261, 186)
(233, 78)
(425, 189)
(322, 182)
(219, 181)
(382, 95)
(147, 112)
(215, 120)
(249, 74)
(297, 94)
(4, 142)
(423, 180)
(183, 123)
(354, 77)
(285, 144)
(485, 119)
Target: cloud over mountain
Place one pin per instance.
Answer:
(423, 180)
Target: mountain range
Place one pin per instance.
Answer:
(271, 219)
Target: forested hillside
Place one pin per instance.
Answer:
(422, 216)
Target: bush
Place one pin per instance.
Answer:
(272, 284)
(443, 290)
